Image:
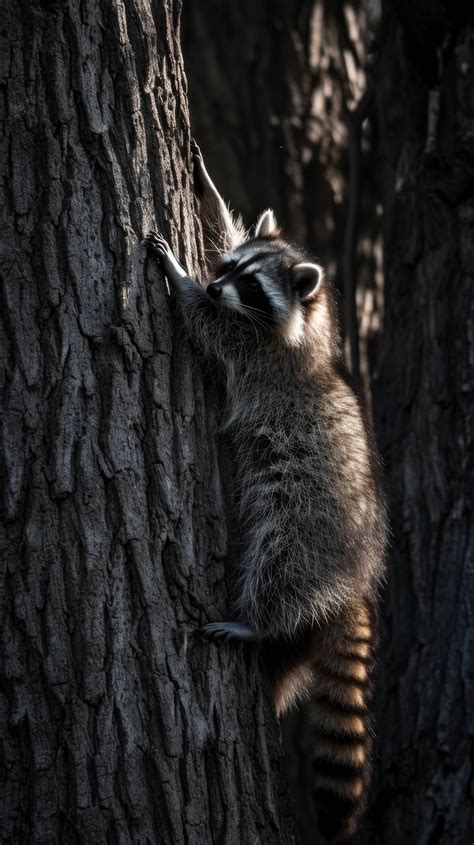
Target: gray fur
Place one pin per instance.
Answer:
(312, 517)
(311, 514)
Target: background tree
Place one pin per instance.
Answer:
(115, 724)
(423, 786)
(269, 85)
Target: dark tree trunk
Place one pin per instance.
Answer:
(116, 725)
(423, 787)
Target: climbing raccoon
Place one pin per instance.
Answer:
(311, 513)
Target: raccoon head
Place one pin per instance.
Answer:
(269, 281)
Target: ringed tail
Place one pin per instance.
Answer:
(340, 722)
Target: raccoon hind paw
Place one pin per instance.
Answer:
(227, 631)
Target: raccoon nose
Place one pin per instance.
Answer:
(214, 290)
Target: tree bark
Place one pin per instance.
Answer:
(116, 724)
(423, 791)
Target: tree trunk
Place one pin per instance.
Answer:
(423, 793)
(116, 725)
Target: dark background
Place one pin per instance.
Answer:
(356, 124)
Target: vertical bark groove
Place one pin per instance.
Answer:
(116, 724)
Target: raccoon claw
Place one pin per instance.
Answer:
(227, 631)
(157, 243)
(213, 631)
(200, 176)
(195, 150)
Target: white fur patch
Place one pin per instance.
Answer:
(252, 250)
(230, 298)
(293, 330)
(251, 269)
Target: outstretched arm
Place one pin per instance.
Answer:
(189, 291)
(222, 232)
(204, 323)
(207, 324)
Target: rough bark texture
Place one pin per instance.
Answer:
(423, 786)
(116, 725)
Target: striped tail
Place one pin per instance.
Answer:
(340, 729)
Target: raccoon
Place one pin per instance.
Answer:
(311, 511)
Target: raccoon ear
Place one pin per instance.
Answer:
(267, 226)
(306, 279)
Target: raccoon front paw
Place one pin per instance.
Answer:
(227, 631)
(195, 150)
(157, 244)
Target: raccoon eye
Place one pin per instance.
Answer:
(251, 283)
(226, 267)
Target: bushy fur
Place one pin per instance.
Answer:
(311, 513)
(312, 524)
